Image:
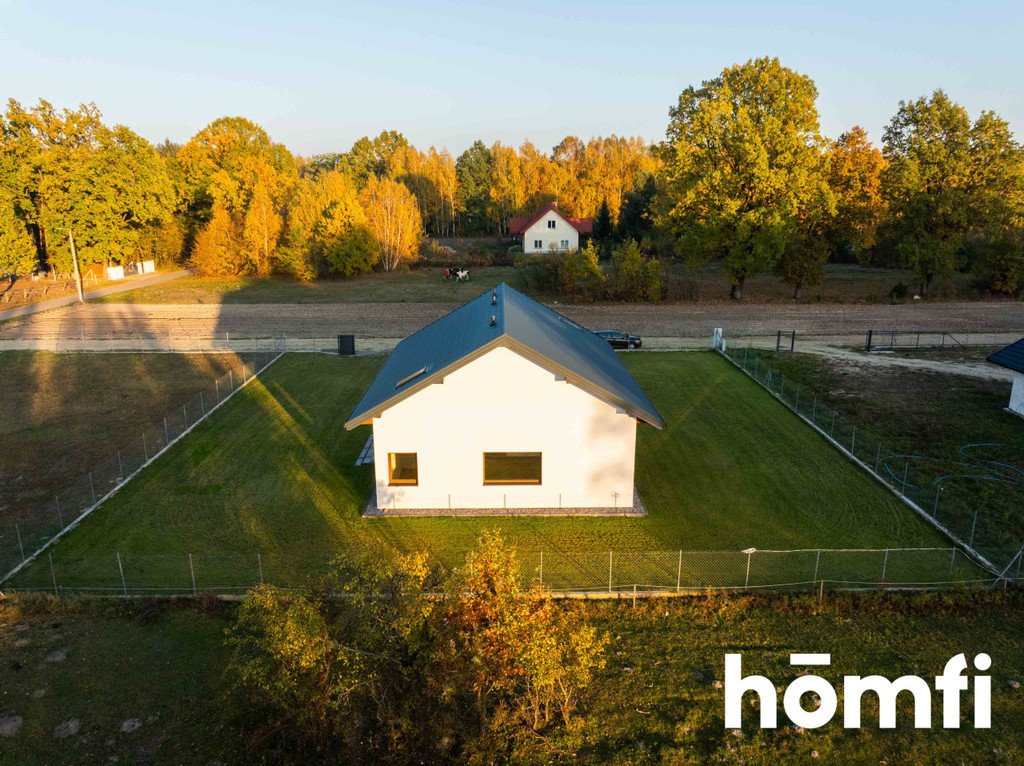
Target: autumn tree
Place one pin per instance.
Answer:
(17, 250)
(375, 156)
(507, 192)
(995, 245)
(233, 163)
(500, 643)
(393, 218)
(217, 250)
(742, 166)
(855, 176)
(926, 184)
(67, 171)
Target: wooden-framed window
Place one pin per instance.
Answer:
(551, 223)
(538, 244)
(512, 468)
(402, 469)
(565, 244)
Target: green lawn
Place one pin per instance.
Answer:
(272, 473)
(656, 701)
(961, 451)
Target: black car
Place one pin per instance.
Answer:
(619, 339)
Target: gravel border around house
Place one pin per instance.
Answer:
(636, 510)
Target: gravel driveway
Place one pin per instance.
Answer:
(391, 320)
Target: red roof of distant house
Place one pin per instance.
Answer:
(520, 225)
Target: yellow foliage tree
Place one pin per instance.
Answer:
(393, 217)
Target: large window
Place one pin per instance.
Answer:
(402, 468)
(511, 468)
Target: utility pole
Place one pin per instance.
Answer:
(74, 260)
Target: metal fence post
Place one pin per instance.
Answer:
(906, 469)
(53, 576)
(746, 582)
(885, 566)
(878, 456)
(60, 516)
(935, 505)
(974, 526)
(92, 489)
(952, 558)
(192, 571)
(231, 380)
(541, 568)
(202, 404)
(184, 417)
(17, 531)
(832, 427)
(145, 449)
(120, 568)
(679, 571)
(259, 564)
(216, 383)
(120, 467)
(609, 571)
(817, 562)
(167, 434)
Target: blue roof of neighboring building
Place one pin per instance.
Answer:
(1011, 357)
(504, 317)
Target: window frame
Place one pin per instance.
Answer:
(552, 223)
(538, 244)
(514, 482)
(392, 481)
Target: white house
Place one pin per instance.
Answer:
(504, 404)
(1012, 358)
(548, 230)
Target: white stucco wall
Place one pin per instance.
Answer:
(1017, 394)
(503, 402)
(548, 237)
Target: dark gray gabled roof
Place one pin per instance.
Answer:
(1011, 357)
(504, 317)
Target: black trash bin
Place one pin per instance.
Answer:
(346, 345)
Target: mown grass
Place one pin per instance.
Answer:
(658, 700)
(961, 450)
(62, 414)
(272, 473)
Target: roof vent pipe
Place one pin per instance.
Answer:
(494, 320)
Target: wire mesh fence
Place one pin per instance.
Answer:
(941, 497)
(561, 572)
(20, 539)
(891, 340)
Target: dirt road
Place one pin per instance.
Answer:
(391, 320)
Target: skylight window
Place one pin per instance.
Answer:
(409, 378)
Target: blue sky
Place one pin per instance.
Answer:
(319, 75)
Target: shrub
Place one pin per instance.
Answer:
(635, 277)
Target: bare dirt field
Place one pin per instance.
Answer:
(391, 320)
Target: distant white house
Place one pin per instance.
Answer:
(1012, 358)
(548, 229)
(504, 404)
